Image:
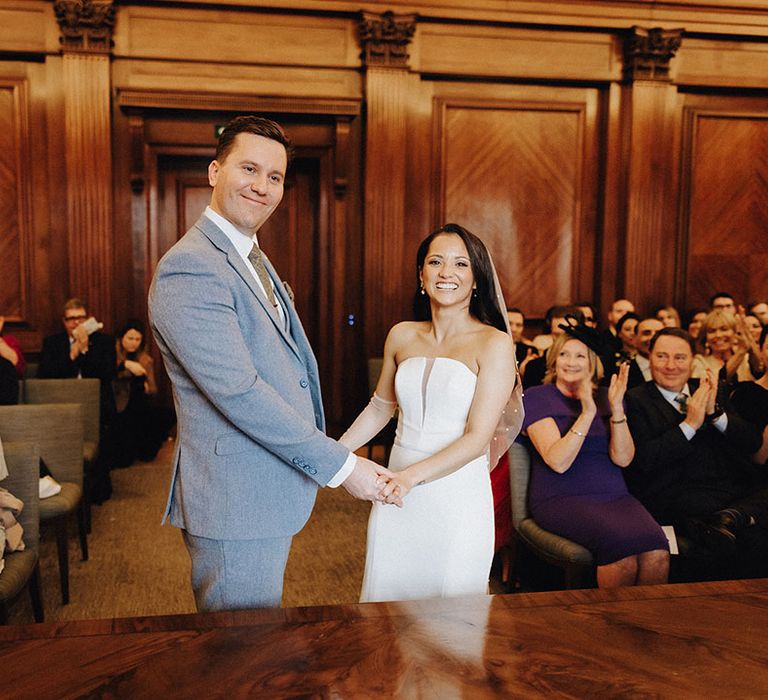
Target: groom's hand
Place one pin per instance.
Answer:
(367, 480)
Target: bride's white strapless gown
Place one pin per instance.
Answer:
(440, 543)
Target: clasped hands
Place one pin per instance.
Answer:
(372, 482)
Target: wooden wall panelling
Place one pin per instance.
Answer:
(725, 16)
(725, 206)
(16, 244)
(89, 179)
(522, 175)
(460, 49)
(717, 63)
(651, 108)
(254, 36)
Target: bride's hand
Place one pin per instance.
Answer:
(397, 489)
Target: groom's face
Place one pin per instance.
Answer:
(248, 182)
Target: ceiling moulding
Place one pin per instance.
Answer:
(705, 16)
(218, 102)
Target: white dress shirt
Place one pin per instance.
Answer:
(721, 423)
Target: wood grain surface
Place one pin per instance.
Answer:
(693, 640)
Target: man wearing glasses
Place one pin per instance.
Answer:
(81, 351)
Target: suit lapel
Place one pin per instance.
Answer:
(220, 240)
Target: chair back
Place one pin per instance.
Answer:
(519, 476)
(86, 392)
(23, 461)
(31, 370)
(58, 431)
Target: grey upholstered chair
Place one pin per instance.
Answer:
(22, 569)
(575, 560)
(86, 392)
(58, 430)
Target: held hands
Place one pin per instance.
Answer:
(368, 480)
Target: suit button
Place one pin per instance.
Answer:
(304, 383)
(296, 461)
(312, 470)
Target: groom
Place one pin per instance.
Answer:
(251, 451)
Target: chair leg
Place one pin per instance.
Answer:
(36, 594)
(87, 498)
(82, 527)
(62, 545)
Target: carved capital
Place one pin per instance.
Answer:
(384, 38)
(86, 25)
(647, 53)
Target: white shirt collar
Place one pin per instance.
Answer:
(243, 244)
(670, 396)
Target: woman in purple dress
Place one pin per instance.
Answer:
(580, 440)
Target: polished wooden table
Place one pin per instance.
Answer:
(705, 640)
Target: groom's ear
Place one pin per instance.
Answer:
(213, 172)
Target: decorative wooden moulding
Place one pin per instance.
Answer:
(647, 53)
(85, 25)
(385, 38)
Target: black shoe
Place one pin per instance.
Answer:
(717, 533)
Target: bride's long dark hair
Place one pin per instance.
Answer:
(483, 305)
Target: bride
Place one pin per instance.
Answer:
(452, 375)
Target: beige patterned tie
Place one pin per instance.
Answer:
(258, 264)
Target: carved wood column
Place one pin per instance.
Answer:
(86, 38)
(385, 39)
(651, 127)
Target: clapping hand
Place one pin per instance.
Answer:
(617, 388)
(702, 402)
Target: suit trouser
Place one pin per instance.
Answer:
(237, 574)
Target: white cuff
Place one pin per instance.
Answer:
(346, 469)
(688, 431)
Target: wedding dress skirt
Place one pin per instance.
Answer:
(440, 543)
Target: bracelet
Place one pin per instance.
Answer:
(576, 432)
(621, 420)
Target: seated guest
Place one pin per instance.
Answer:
(729, 347)
(590, 314)
(537, 367)
(610, 341)
(581, 441)
(668, 315)
(750, 400)
(759, 309)
(543, 340)
(640, 366)
(12, 367)
(694, 321)
(80, 351)
(753, 325)
(625, 333)
(525, 351)
(138, 428)
(723, 301)
(692, 468)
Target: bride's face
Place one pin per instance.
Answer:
(447, 273)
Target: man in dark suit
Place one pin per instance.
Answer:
(692, 466)
(80, 352)
(640, 366)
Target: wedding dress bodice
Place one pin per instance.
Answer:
(434, 395)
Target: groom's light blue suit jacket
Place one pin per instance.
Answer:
(251, 450)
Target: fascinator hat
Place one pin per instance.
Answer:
(591, 337)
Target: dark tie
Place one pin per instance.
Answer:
(258, 264)
(682, 401)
